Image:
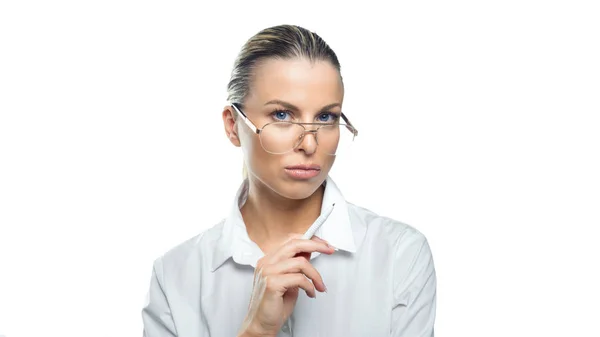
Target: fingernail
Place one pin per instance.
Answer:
(325, 288)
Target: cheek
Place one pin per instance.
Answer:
(327, 161)
(257, 159)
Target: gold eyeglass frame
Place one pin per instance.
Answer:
(258, 130)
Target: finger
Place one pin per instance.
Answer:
(279, 284)
(318, 239)
(293, 247)
(314, 238)
(297, 265)
(304, 255)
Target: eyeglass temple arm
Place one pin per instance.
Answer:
(245, 118)
(352, 128)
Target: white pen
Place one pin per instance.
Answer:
(318, 223)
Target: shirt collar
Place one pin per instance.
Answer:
(235, 243)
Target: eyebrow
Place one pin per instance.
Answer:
(293, 107)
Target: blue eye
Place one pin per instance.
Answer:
(280, 115)
(328, 117)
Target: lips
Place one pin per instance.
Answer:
(306, 167)
(303, 171)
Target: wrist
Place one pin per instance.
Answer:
(252, 331)
(247, 333)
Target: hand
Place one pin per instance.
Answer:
(277, 280)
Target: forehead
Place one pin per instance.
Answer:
(298, 81)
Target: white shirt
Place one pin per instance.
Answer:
(380, 282)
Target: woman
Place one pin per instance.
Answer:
(261, 272)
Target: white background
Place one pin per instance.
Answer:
(478, 125)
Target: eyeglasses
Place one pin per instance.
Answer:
(283, 137)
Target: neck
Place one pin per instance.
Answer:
(271, 219)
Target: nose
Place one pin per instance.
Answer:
(308, 143)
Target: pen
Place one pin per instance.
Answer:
(318, 223)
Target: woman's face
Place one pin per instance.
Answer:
(290, 90)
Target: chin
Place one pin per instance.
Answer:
(299, 191)
(296, 189)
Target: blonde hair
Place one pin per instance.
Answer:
(283, 42)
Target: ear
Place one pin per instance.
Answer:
(230, 126)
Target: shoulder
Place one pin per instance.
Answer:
(383, 229)
(405, 247)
